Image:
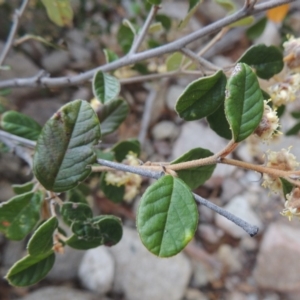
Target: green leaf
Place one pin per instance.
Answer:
(121, 149)
(42, 240)
(226, 4)
(105, 155)
(294, 130)
(219, 124)
(287, 187)
(105, 87)
(125, 38)
(280, 110)
(75, 195)
(266, 60)
(193, 5)
(110, 56)
(257, 29)
(28, 37)
(112, 192)
(164, 20)
(75, 212)
(243, 22)
(244, 102)
(155, 27)
(174, 61)
(111, 229)
(266, 96)
(59, 11)
(202, 97)
(195, 177)
(22, 188)
(21, 125)
(78, 243)
(112, 114)
(167, 217)
(19, 215)
(86, 231)
(71, 212)
(295, 114)
(30, 270)
(64, 149)
(154, 2)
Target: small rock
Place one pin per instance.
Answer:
(194, 294)
(207, 214)
(172, 95)
(277, 267)
(96, 270)
(240, 207)
(248, 243)
(210, 233)
(270, 36)
(56, 61)
(80, 54)
(231, 258)
(230, 188)
(222, 61)
(60, 293)
(66, 265)
(196, 134)
(165, 130)
(141, 275)
(162, 148)
(76, 36)
(236, 296)
(6, 191)
(204, 273)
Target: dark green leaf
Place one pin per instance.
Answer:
(19, 215)
(152, 43)
(59, 11)
(154, 2)
(112, 114)
(64, 149)
(86, 231)
(123, 148)
(110, 56)
(42, 240)
(111, 229)
(75, 195)
(294, 130)
(167, 217)
(30, 270)
(125, 38)
(72, 212)
(21, 125)
(112, 192)
(296, 114)
(266, 95)
(22, 188)
(165, 21)
(219, 124)
(267, 61)
(195, 177)
(287, 187)
(244, 102)
(280, 110)
(257, 29)
(202, 97)
(80, 244)
(105, 87)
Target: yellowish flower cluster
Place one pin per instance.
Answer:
(286, 91)
(292, 204)
(132, 182)
(282, 160)
(292, 53)
(269, 124)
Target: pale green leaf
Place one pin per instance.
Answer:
(174, 61)
(193, 5)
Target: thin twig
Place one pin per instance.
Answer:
(199, 59)
(149, 77)
(142, 34)
(174, 46)
(16, 18)
(18, 139)
(147, 115)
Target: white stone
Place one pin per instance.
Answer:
(270, 36)
(230, 257)
(96, 271)
(240, 207)
(56, 61)
(172, 95)
(165, 130)
(196, 134)
(141, 275)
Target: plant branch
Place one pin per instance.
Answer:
(18, 139)
(250, 229)
(16, 19)
(176, 45)
(142, 34)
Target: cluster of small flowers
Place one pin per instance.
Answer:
(288, 90)
(132, 182)
(292, 204)
(282, 160)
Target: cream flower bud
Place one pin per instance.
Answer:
(282, 160)
(292, 53)
(292, 204)
(269, 124)
(284, 92)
